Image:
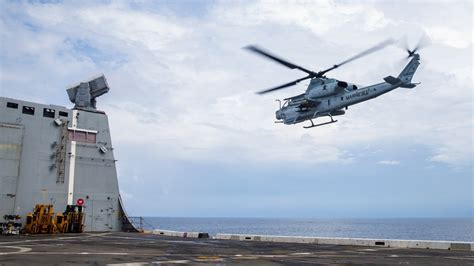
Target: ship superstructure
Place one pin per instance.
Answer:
(50, 154)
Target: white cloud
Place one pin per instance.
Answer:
(318, 17)
(389, 162)
(449, 36)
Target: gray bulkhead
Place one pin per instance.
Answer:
(38, 163)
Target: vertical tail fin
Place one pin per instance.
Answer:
(407, 74)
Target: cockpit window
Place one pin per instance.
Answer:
(354, 87)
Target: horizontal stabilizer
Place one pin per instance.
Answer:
(392, 80)
(408, 86)
(396, 81)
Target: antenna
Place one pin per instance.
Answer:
(84, 94)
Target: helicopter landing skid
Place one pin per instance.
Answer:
(322, 124)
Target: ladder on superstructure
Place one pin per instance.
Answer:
(61, 152)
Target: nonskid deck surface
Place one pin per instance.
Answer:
(143, 249)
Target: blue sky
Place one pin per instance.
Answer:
(192, 138)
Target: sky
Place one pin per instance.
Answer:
(192, 138)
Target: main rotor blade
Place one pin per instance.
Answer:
(357, 56)
(284, 85)
(259, 51)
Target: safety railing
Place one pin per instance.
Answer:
(140, 223)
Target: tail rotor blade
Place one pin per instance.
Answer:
(422, 43)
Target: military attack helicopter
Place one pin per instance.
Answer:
(329, 97)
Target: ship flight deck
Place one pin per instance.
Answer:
(119, 248)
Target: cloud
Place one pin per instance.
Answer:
(318, 17)
(449, 36)
(389, 162)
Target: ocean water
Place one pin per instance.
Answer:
(454, 229)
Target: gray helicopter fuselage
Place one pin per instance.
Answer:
(329, 97)
(332, 104)
(351, 97)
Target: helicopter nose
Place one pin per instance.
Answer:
(278, 115)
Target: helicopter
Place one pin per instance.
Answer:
(328, 97)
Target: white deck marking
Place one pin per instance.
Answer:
(81, 253)
(84, 236)
(302, 253)
(171, 262)
(20, 250)
(367, 249)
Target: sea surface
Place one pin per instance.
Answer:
(454, 229)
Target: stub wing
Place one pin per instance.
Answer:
(309, 104)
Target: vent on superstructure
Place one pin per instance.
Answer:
(65, 114)
(28, 110)
(12, 105)
(47, 112)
